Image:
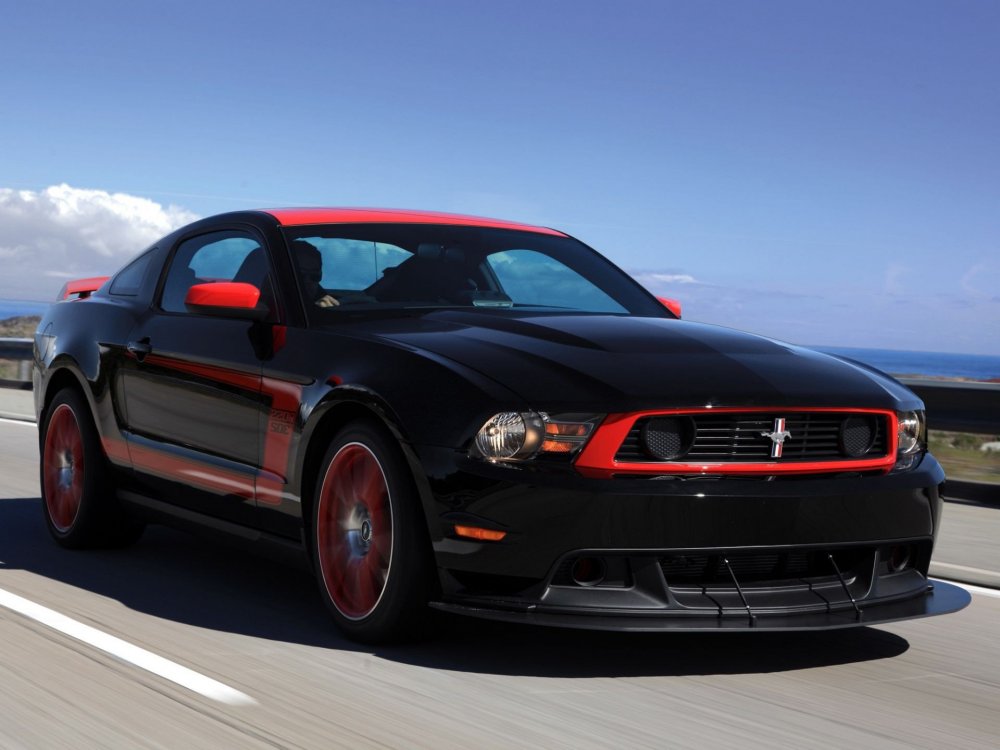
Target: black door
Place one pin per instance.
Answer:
(193, 384)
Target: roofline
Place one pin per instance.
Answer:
(293, 217)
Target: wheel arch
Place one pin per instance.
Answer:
(341, 406)
(64, 373)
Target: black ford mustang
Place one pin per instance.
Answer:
(485, 418)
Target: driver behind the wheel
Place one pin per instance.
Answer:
(310, 264)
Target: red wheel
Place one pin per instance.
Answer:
(371, 549)
(78, 489)
(354, 531)
(62, 462)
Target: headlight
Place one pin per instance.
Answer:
(912, 433)
(911, 441)
(510, 434)
(514, 436)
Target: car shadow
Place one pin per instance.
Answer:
(207, 584)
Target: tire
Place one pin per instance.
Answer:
(78, 494)
(371, 550)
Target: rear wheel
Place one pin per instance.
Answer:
(78, 496)
(370, 549)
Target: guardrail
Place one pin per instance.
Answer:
(20, 351)
(15, 348)
(959, 406)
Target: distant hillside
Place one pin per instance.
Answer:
(22, 326)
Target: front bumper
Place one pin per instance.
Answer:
(694, 554)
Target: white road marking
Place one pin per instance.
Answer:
(982, 591)
(24, 422)
(126, 651)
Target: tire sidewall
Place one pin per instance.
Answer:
(84, 523)
(100, 521)
(402, 607)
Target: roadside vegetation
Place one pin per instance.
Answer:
(14, 328)
(963, 457)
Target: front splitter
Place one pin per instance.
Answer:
(941, 599)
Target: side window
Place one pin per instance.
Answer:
(218, 256)
(532, 278)
(128, 281)
(346, 265)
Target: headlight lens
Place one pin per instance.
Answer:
(512, 436)
(508, 435)
(912, 433)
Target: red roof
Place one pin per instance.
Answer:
(291, 217)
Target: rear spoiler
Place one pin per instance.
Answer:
(82, 288)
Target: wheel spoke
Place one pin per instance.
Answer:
(354, 533)
(371, 483)
(364, 593)
(63, 467)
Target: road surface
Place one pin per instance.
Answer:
(258, 630)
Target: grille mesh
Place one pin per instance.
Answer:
(736, 437)
(857, 434)
(664, 437)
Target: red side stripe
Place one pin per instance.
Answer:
(177, 468)
(280, 425)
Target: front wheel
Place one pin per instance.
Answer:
(371, 552)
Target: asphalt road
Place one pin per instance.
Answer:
(258, 628)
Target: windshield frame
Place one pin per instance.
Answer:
(578, 257)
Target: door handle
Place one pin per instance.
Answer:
(139, 348)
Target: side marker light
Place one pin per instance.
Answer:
(475, 532)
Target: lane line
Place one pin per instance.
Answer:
(992, 593)
(140, 657)
(18, 421)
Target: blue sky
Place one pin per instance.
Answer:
(823, 173)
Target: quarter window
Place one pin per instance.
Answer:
(128, 281)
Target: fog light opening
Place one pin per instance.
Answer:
(899, 558)
(589, 571)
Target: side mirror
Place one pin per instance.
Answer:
(226, 299)
(671, 304)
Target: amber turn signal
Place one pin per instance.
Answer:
(475, 532)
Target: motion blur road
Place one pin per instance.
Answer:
(259, 628)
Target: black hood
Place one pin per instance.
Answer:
(618, 363)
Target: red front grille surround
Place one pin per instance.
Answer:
(597, 459)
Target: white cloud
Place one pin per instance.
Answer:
(982, 280)
(65, 232)
(895, 278)
(663, 278)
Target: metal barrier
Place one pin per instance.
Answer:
(958, 406)
(19, 350)
(15, 348)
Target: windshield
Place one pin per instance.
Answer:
(353, 267)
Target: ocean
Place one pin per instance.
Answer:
(13, 308)
(937, 364)
(897, 362)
